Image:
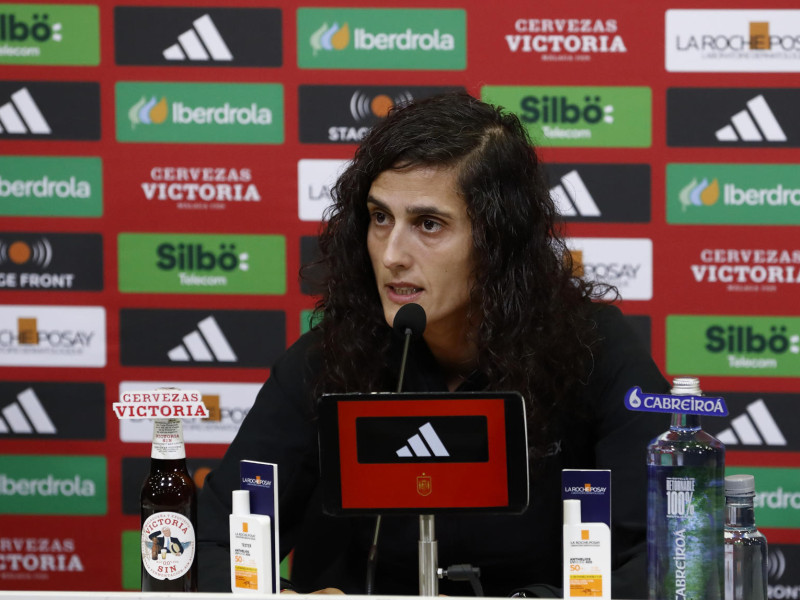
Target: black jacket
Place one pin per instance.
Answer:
(512, 552)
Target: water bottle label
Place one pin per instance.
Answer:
(684, 523)
(679, 492)
(636, 399)
(167, 545)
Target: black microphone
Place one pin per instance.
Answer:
(409, 322)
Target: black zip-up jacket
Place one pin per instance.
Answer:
(513, 552)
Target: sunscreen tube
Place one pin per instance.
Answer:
(251, 552)
(587, 555)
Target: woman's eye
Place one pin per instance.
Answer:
(431, 225)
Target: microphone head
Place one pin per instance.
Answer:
(410, 319)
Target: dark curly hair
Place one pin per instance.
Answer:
(534, 333)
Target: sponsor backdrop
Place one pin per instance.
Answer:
(164, 171)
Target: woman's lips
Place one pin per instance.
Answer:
(403, 292)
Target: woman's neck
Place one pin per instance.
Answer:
(457, 356)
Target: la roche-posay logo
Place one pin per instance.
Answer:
(625, 263)
(52, 336)
(315, 179)
(228, 404)
(381, 38)
(735, 41)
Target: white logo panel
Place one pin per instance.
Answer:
(315, 178)
(626, 263)
(733, 41)
(228, 404)
(52, 336)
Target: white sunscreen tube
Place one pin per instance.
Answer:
(587, 556)
(251, 551)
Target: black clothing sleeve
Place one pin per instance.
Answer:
(514, 552)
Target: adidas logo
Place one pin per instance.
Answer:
(202, 42)
(26, 415)
(572, 198)
(428, 444)
(754, 428)
(206, 344)
(21, 115)
(753, 124)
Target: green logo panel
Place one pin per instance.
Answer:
(777, 501)
(202, 264)
(577, 116)
(49, 34)
(132, 560)
(381, 38)
(48, 186)
(745, 194)
(214, 113)
(52, 485)
(733, 345)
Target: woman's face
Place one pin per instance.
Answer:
(420, 244)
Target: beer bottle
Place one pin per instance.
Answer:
(169, 514)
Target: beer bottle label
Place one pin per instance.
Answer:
(167, 439)
(167, 545)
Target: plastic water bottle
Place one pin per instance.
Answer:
(745, 546)
(685, 467)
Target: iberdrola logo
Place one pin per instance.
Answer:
(330, 38)
(699, 194)
(148, 112)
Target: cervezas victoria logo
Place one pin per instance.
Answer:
(200, 187)
(727, 40)
(747, 269)
(199, 112)
(382, 38)
(228, 404)
(565, 39)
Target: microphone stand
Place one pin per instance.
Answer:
(428, 546)
(428, 557)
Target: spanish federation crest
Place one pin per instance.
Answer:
(424, 485)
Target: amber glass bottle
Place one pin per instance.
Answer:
(169, 515)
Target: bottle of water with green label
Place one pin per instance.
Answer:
(685, 508)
